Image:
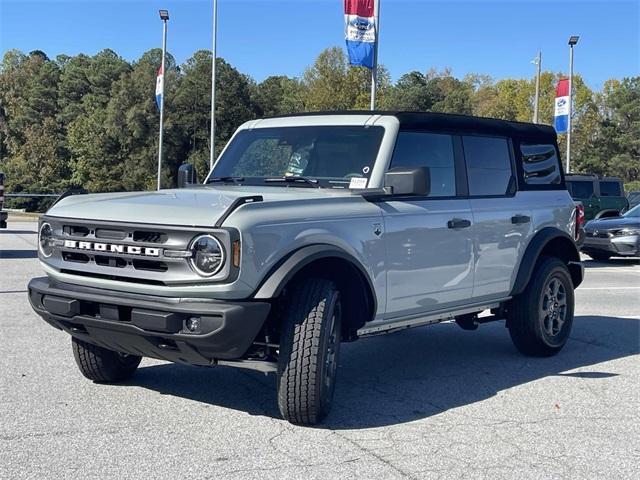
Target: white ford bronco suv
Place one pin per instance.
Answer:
(312, 230)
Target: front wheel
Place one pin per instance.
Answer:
(541, 317)
(102, 365)
(309, 351)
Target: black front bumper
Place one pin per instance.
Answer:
(150, 326)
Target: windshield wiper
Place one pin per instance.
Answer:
(296, 179)
(225, 179)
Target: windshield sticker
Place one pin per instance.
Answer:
(365, 170)
(358, 182)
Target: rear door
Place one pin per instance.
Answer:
(612, 194)
(502, 220)
(583, 190)
(428, 240)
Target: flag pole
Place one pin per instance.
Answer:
(536, 101)
(374, 70)
(164, 15)
(212, 153)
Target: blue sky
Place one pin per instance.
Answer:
(265, 37)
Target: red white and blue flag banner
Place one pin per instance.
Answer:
(360, 31)
(159, 87)
(561, 112)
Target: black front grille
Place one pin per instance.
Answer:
(149, 237)
(110, 234)
(106, 261)
(75, 257)
(598, 234)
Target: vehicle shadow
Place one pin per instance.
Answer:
(17, 232)
(413, 374)
(612, 262)
(14, 254)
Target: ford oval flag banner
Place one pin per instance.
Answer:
(561, 113)
(159, 87)
(360, 31)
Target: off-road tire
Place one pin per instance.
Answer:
(530, 326)
(103, 365)
(600, 256)
(309, 351)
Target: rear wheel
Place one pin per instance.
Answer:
(541, 317)
(309, 351)
(600, 256)
(102, 365)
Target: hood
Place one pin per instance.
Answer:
(200, 206)
(611, 223)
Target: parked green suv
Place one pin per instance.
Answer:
(596, 193)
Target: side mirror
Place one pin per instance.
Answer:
(408, 181)
(186, 175)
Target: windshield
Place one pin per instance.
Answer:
(634, 212)
(328, 156)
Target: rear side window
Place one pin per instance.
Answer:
(540, 164)
(433, 150)
(488, 165)
(580, 188)
(610, 189)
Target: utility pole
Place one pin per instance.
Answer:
(572, 41)
(212, 153)
(164, 16)
(374, 70)
(536, 100)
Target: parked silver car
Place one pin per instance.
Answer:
(313, 230)
(613, 236)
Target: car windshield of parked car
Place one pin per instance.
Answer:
(634, 212)
(324, 156)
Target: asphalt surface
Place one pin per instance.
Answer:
(434, 402)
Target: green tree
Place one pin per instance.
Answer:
(331, 84)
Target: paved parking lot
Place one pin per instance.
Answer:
(434, 402)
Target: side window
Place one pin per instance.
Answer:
(540, 164)
(488, 165)
(609, 188)
(580, 188)
(433, 150)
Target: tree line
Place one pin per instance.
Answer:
(92, 122)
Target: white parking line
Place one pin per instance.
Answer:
(608, 288)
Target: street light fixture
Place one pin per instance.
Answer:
(164, 15)
(573, 39)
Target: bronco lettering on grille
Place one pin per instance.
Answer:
(112, 248)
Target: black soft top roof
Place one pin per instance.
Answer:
(448, 122)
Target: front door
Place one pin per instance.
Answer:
(428, 240)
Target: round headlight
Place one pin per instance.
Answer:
(45, 240)
(208, 255)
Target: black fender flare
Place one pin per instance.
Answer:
(537, 244)
(275, 281)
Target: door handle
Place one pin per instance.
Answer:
(458, 223)
(519, 219)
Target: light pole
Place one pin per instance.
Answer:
(572, 41)
(164, 16)
(536, 100)
(212, 153)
